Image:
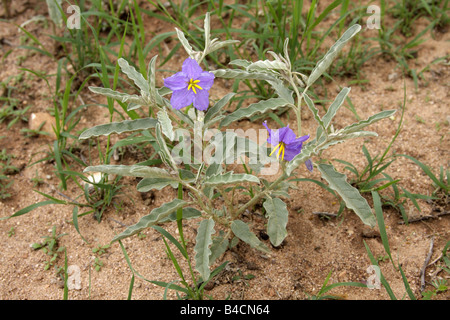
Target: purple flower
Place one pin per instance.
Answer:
(287, 144)
(190, 85)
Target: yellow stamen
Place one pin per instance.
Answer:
(192, 84)
(282, 147)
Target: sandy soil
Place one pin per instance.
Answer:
(314, 246)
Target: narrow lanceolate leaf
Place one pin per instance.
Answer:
(155, 217)
(335, 107)
(229, 178)
(120, 96)
(259, 107)
(351, 196)
(134, 75)
(242, 231)
(278, 217)
(166, 124)
(133, 171)
(220, 44)
(54, 11)
(263, 65)
(314, 110)
(185, 43)
(164, 152)
(147, 184)
(119, 127)
(241, 74)
(202, 250)
(364, 123)
(217, 108)
(326, 61)
(151, 77)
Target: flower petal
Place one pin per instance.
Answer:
(291, 150)
(181, 98)
(286, 135)
(191, 68)
(178, 81)
(294, 148)
(206, 80)
(201, 100)
(309, 165)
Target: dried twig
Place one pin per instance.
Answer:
(325, 214)
(440, 214)
(427, 260)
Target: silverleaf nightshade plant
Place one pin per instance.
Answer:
(211, 187)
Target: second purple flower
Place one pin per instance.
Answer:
(190, 86)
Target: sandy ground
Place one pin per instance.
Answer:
(313, 248)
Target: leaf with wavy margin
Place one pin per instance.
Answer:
(119, 127)
(353, 199)
(156, 216)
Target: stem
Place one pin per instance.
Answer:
(258, 196)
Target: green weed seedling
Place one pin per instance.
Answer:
(50, 246)
(99, 251)
(326, 287)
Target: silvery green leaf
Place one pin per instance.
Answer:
(151, 78)
(307, 151)
(186, 175)
(133, 171)
(242, 231)
(134, 75)
(342, 137)
(166, 124)
(266, 65)
(241, 74)
(334, 107)
(331, 112)
(123, 97)
(229, 178)
(218, 247)
(220, 44)
(185, 43)
(240, 63)
(326, 61)
(164, 152)
(255, 108)
(133, 106)
(207, 29)
(278, 217)
(282, 91)
(119, 127)
(187, 213)
(217, 108)
(351, 196)
(314, 110)
(213, 169)
(54, 11)
(155, 217)
(202, 251)
(363, 123)
(148, 184)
